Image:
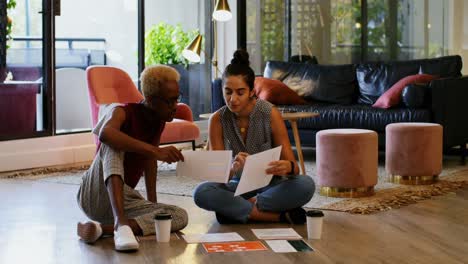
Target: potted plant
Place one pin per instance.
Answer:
(10, 4)
(164, 44)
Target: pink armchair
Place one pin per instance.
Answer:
(108, 85)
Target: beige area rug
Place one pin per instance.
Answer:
(388, 195)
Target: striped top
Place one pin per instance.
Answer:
(259, 136)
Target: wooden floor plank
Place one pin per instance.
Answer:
(38, 225)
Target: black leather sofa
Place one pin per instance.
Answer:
(343, 96)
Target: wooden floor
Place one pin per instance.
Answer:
(38, 225)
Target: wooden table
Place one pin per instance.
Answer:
(292, 117)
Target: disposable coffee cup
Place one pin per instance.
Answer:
(162, 224)
(314, 224)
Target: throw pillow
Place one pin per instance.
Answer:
(276, 92)
(415, 95)
(392, 96)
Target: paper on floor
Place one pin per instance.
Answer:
(234, 246)
(286, 246)
(213, 237)
(280, 246)
(276, 233)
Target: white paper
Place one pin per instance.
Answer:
(254, 176)
(276, 233)
(214, 237)
(211, 166)
(280, 246)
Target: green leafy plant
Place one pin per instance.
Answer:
(10, 5)
(164, 44)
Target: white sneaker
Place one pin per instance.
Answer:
(89, 232)
(124, 239)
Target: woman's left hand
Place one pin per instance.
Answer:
(279, 167)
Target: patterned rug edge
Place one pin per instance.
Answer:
(394, 198)
(46, 172)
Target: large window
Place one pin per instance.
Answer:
(351, 31)
(105, 35)
(43, 89)
(22, 86)
(169, 27)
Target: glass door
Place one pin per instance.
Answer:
(22, 87)
(89, 33)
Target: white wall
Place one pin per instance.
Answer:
(189, 14)
(46, 151)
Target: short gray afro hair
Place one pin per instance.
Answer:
(153, 76)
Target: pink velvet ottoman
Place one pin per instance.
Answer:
(347, 161)
(413, 152)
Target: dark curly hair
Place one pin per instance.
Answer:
(240, 67)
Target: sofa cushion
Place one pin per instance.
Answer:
(392, 96)
(326, 83)
(444, 67)
(375, 78)
(276, 92)
(304, 59)
(415, 95)
(356, 116)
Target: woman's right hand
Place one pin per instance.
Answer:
(239, 161)
(168, 154)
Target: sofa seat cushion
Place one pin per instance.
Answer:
(356, 116)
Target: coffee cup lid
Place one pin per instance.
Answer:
(163, 216)
(314, 213)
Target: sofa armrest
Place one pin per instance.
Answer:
(184, 112)
(449, 107)
(217, 100)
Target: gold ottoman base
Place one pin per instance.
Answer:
(347, 192)
(413, 180)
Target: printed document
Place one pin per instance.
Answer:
(287, 246)
(213, 237)
(254, 176)
(276, 233)
(211, 166)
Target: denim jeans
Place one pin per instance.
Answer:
(281, 194)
